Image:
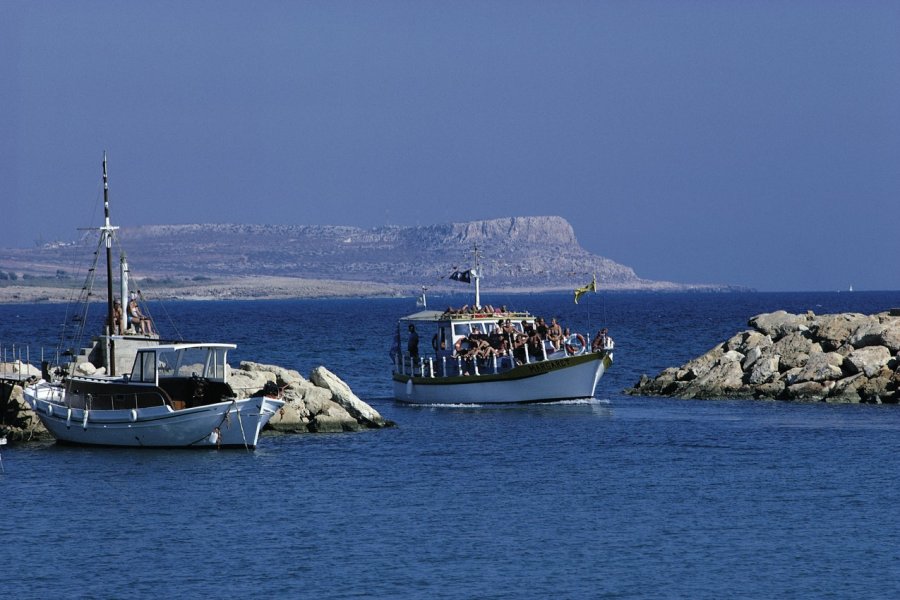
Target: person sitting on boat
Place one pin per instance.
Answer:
(599, 342)
(116, 325)
(554, 333)
(137, 319)
(540, 327)
(519, 348)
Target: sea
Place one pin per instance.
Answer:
(616, 496)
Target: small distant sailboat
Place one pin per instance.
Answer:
(851, 288)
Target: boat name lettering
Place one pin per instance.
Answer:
(543, 367)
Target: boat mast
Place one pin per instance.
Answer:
(106, 232)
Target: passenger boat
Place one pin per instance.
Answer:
(173, 395)
(509, 372)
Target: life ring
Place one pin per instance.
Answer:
(575, 344)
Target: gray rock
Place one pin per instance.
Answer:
(868, 360)
(770, 389)
(753, 355)
(780, 323)
(283, 377)
(701, 365)
(334, 421)
(764, 370)
(832, 331)
(880, 388)
(342, 394)
(794, 349)
(846, 390)
(246, 383)
(725, 378)
(821, 367)
(881, 330)
(807, 390)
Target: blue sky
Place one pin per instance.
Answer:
(750, 143)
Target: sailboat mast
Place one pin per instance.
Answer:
(107, 235)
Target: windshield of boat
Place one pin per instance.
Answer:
(179, 362)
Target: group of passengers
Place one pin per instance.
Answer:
(505, 339)
(471, 311)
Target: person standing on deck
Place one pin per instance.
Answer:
(412, 346)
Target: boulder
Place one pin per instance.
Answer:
(764, 370)
(794, 349)
(769, 390)
(293, 417)
(807, 390)
(780, 323)
(833, 331)
(18, 423)
(868, 360)
(882, 330)
(85, 368)
(846, 390)
(821, 367)
(880, 388)
(701, 365)
(747, 340)
(246, 383)
(322, 404)
(342, 394)
(753, 355)
(334, 422)
(283, 377)
(724, 378)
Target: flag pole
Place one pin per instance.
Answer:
(477, 274)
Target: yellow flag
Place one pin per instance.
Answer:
(591, 287)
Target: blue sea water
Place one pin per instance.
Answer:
(617, 497)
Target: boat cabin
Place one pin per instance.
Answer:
(177, 375)
(445, 342)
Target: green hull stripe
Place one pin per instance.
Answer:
(520, 372)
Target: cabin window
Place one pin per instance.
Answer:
(144, 368)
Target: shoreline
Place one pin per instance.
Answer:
(285, 288)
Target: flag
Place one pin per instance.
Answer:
(464, 276)
(591, 287)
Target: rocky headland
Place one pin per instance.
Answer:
(225, 261)
(848, 357)
(323, 403)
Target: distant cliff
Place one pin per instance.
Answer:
(515, 252)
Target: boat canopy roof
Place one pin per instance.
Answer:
(437, 316)
(186, 346)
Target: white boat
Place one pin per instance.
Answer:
(173, 395)
(176, 395)
(563, 369)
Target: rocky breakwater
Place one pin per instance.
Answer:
(848, 357)
(17, 421)
(321, 404)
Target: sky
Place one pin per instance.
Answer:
(731, 142)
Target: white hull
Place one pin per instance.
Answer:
(236, 423)
(560, 379)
